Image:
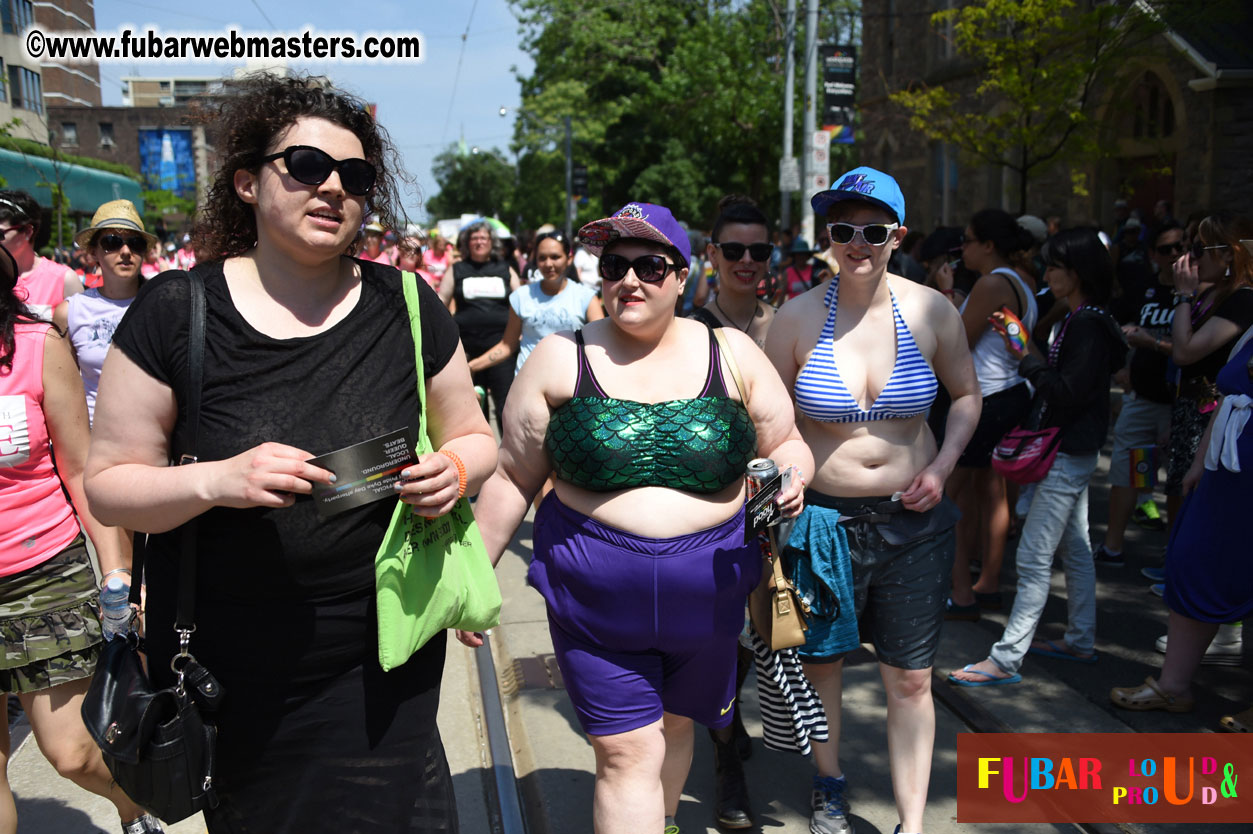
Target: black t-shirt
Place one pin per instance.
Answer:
(1147, 303)
(1237, 308)
(482, 295)
(355, 381)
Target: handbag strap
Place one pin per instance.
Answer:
(185, 613)
(725, 349)
(185, 617)
(409, 281)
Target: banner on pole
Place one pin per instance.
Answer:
(839, 88)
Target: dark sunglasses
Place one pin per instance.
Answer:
(759, 252)
(1199, 249)
(113, 242)
(1170, 248)
(313, 166)
(651, 269)
(876, 234)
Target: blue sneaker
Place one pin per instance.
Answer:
(1154, 574)
(830, 808)
(1159, 589)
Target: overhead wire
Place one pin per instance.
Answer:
(452, 99)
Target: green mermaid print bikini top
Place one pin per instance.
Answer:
(602, 444)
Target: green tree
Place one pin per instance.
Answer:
(1034, 70)
(481, 182)
(675, 102)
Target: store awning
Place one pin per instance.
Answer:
(86, 188)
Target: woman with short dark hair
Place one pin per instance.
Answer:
(1074, 383)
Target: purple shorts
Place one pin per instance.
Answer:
(640, 625)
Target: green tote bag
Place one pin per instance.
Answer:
(430, 574)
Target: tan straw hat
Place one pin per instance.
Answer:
(115, 214)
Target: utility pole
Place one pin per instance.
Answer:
(789, 95)
(569, 182)
(811, 96)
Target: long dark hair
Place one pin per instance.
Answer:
(249, 118)
(1081, 250)
(998, 227)
(12, 310)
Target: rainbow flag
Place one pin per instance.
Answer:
(1143, 467)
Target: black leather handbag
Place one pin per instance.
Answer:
(156, 742)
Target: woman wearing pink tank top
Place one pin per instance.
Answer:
(47, 585)
(42, 284)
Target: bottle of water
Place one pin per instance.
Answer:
(115, 608)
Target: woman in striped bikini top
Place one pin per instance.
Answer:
(821, 394)
(864, 354)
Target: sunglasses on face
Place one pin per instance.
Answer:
(313, 166)
(113, 242)
(1170, 248)
(759, 252)
(651, 269)
(1199, 249)
(875, 234)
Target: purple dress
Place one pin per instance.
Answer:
(1207, 566)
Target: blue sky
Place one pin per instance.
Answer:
(416, 102)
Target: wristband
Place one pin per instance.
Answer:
(461, 471)
(949, 293)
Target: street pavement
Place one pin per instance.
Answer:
(555, 765)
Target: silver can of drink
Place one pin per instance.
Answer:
(761, 471)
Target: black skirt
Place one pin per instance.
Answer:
(313, 735)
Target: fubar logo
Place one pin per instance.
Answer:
(1102, 777)
(858, 183)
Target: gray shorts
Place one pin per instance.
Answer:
(902, 568)
(1140, 424)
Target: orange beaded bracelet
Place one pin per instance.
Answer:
(461, 471)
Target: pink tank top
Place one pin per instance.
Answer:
(38, 520)
(43, 288)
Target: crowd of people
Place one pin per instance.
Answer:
(633, 372)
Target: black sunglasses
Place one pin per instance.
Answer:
(875, 234)
(759, 252)
(313, 166)
(1199, 248)
(1170, 248)
(113, 242)
(651, 269)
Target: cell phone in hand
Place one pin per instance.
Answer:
(1011, 326)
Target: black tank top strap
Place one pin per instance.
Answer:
(715, 385)
(586, 384)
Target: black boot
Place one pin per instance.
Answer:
(743, 742)
(730, 788)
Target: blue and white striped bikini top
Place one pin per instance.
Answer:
(821, 395)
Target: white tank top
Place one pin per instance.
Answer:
(996, 369)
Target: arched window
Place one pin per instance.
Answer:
(1153, 113)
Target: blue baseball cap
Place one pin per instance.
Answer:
(637, 221)
(867, 185)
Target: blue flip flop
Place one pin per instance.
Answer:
(1060, 653)
(992, 680)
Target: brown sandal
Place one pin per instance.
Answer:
(1241, 722)
(1149, 697)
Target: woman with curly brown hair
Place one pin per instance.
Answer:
(305, 352)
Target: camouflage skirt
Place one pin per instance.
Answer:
(48, 622)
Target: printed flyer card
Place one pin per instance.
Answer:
(364, 472)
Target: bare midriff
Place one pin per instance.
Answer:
(867, 459)
(655, 512)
